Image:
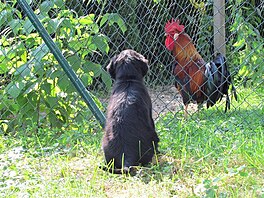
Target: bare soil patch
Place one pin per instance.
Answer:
(167, 99)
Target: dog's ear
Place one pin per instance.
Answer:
(143, 63)
(111, 67)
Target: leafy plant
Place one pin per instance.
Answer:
(247, 44)
(34, 88)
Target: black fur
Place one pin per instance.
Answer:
(130, 138)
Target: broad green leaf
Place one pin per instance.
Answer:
(87, 20)
(32, 97)
(66, 85)
(24, 70)
(74, 61)
(106, 79)
(113, 18)
(23, 56)
(28, 27)
(66, 13)
(59, 3)
(52, 101)
(121, 25)
(66, 23)
(239, 43)
(101, 43)
(46, 6)
(76, 45)
(57, 74)
(15, 88)
(11, 54)
(104, 19)
(90, 66)
(22, 100)
(3, 66)
(67, 30)
(15, 107)
(31, 42)
(40, 52)
(55, 89)
(45, 86)
(15, 25)
(62, 113)
(93, 28)
(243, 71)
(86, 79)
(54, 121)
(5, 17)
(31, 87)
(54, 24)
(38, 68)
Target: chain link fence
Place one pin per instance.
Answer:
(35, 91)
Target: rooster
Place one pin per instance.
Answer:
(197, 80)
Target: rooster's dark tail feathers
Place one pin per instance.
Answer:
(218, 81)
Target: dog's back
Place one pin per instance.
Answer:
(130, 136)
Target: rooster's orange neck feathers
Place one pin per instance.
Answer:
(184, 50)
(180, 43)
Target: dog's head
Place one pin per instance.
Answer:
(128, 65)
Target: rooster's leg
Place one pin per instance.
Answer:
(186, 111)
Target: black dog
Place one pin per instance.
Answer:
(130, 138)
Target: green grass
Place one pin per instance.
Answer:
(211, 154)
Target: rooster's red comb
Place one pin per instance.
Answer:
(173, 25)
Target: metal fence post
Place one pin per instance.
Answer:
(219, 27)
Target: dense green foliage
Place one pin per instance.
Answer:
(34, 89)
(247, 50)
(244, 39)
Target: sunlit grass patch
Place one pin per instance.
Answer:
(211, 154)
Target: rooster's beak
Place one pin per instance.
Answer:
(176, 35)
